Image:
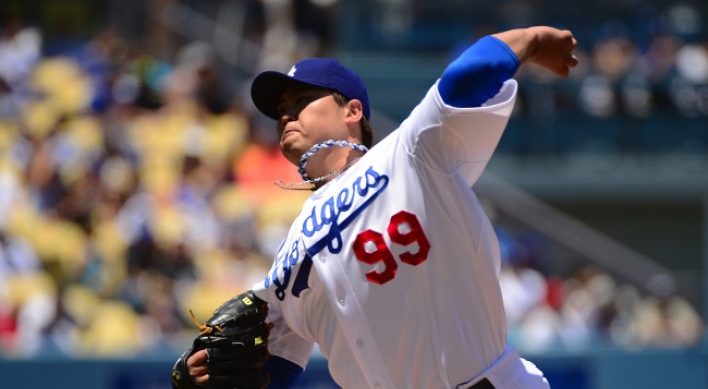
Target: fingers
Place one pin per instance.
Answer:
(198, 358)
(556, 51)
(571, 62)
(201, 380)
(197, 366)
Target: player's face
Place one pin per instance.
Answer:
(308, 115)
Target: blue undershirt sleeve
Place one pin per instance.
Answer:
(478, 73)
(282, 372)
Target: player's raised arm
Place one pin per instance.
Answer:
(547, 47)
(479, 72)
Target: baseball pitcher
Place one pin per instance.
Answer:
(392, 266)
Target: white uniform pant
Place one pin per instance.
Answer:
(511, 371)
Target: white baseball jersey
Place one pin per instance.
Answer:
(392, 268)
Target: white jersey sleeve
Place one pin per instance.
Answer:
(284, 342)
(457, 139)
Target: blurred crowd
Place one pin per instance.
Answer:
(589, 307)
(131, 191)
(134, 188)
(641, 85)
(648, 86)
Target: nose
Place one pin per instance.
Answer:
(285, 118)
(288, 114)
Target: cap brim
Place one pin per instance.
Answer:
(268, 88)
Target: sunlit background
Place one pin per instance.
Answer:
(136, 177)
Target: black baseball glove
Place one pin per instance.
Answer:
(236, 340)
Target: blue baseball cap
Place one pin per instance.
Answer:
(268, 87)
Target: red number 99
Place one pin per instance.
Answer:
(380, 251)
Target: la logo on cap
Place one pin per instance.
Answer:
(291, 73)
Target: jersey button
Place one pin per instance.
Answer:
(323, 258)
(359, 343)
(377, 385)
(341, 301)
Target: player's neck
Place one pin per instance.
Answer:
(325, 161)
(336, 161)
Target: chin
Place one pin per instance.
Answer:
(292, 154)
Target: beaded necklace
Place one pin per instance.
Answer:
(292, 185)
(323, 145)
(309, 153)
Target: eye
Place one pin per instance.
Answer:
(296, 104)
(280, 109)
(304, 100)
(285, 107)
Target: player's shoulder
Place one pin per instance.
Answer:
(503, 98)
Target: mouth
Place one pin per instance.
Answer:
(286, 133)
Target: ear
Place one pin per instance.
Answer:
(355, 111)
(353, 115)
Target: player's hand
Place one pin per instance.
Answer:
(553, 49)
(197, 365)
(544, 46)
(231, 348)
